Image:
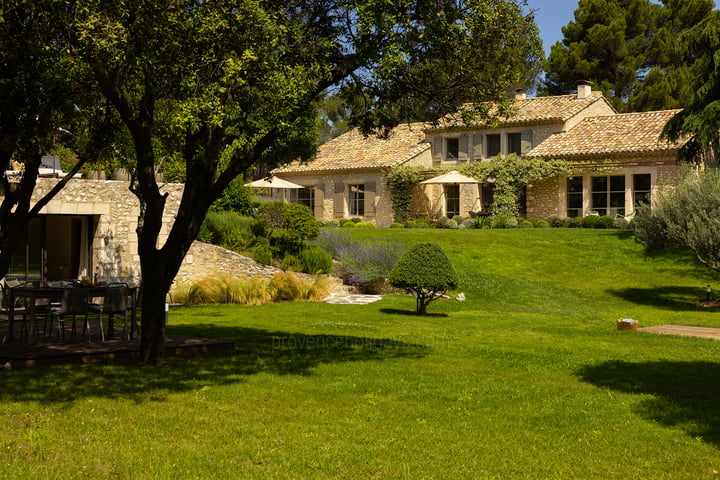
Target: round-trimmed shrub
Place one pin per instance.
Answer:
(397, 225)
(511, 222)
(426, 271)
(525, 224)
(458, 219)
(365, 225)
(590, 221)
(420, 223)
(534, 221)
(542, 224)
(605, 221)
(555, 221)
(443, 222)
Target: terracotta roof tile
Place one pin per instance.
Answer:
(614, 134)
(352, 151)
(555, 109)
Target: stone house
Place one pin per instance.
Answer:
(88, 231)
(347, 177)
(620, 159)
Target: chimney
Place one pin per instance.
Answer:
(584, 89)
(519, 94)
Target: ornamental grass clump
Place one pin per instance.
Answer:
(426, 271)
(254, 291)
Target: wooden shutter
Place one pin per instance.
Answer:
(370, 199)
(477, 146)
(437, 149)
(319, 198)
(525, 141)
(339, 204)
(463, 147)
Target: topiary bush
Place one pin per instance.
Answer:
(426, 271)
(443, 222)
(420, 223)
(590, 221)
(605, 221)
(525, 224)
(555, 221)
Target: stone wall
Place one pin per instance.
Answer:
(115, 211)
(205, 260)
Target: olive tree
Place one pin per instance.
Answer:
(426, 271)
(44, 103)
(229, 84)
(686, 217)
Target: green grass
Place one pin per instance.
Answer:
(526, 379)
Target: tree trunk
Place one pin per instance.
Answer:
(152, 342)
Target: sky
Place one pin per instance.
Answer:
(551, 16)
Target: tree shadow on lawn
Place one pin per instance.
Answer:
(670, 298)
(256, 351)
(685, 394)
(412, 313)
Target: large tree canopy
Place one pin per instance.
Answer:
(627, 48)
(230, 84)
(43, 102)
(700, 119)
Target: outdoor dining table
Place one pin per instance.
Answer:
(32, 294)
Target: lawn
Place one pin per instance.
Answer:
(528, 378)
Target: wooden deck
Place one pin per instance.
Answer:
(51, 352)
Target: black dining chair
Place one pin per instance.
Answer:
(73, 304)
(114, 302)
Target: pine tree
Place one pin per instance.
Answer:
(627, 49)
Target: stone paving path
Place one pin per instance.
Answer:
(701, 332)
(351, 298)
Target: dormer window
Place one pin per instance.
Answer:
(452, 148)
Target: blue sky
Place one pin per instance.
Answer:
(551, 16)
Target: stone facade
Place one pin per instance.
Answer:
(110, 212)
(332, 195)
(550, 196)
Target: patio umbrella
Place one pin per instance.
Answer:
(273, 182)
(451, 177)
